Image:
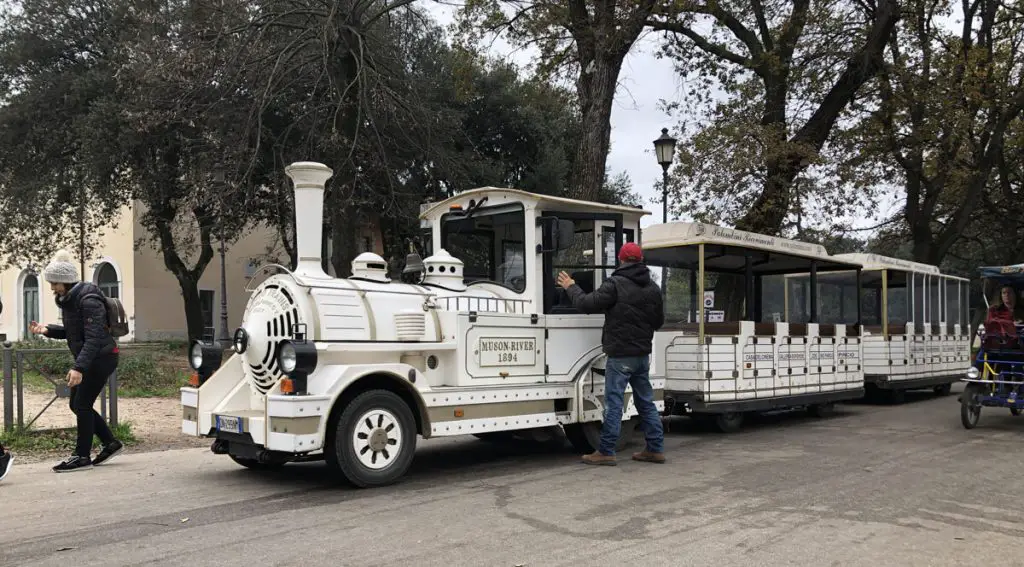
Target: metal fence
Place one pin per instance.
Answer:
(18, 364)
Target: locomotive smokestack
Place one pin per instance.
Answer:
(309, 179)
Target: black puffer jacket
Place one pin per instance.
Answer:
(85, 325)
(633, 309)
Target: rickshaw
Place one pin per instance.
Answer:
(996, 379)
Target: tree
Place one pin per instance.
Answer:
(52, 69)
(141, 121)
(587, 40)
(789, 70)
(948, 100)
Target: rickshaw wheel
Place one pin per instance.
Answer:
(970, 411)
(1014, 412)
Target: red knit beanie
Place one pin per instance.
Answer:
(630, 252)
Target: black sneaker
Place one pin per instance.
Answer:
(73, 463)
(6, 460)
(108, 452)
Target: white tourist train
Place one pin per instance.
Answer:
(479, 341)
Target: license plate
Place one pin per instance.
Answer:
(232, 424)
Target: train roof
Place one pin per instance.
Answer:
(879, 262)
(678, 233)
(500, 195)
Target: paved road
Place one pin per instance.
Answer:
(875, 485)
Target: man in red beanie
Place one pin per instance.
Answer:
(632, 305)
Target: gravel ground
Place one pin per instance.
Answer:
(156, 422)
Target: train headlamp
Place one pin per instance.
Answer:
(240, 340)
(204, 359)
(297, 360)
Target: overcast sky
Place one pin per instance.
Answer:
(636, 115)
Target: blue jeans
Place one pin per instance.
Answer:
(619, 372)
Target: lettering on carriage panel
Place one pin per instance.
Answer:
(758, 356)
(506, 351)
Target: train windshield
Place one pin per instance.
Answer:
(489, 241)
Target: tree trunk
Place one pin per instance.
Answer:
(596, 90)
(188, 278)
(193, 307)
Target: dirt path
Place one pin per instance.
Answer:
(156, 422)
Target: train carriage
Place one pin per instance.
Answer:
(735, 340)
(916, 325)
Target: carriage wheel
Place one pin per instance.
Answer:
(729, 422)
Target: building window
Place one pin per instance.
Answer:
(206, 306)
(29, 304)
(106, 280)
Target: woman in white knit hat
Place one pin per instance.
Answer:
(96, 354)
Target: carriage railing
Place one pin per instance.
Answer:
(481, 304)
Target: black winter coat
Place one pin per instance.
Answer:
(633, 309)
(85, 325)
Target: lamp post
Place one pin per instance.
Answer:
(665, 150)
(225, 337)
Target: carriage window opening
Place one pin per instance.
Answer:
(935, 317)
(952, 305)
(898, 299)
(918, 314)
(490, 245)
(965, 314)
(871, 298)
(751, 285)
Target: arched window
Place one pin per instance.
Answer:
(29, 303)
(106, 280)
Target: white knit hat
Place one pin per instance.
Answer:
(61, 270)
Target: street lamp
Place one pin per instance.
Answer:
(225, 338)
(665, 150)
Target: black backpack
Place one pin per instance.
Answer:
(117, 320)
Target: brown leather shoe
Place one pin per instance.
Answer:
(649, 457)
(597, 458)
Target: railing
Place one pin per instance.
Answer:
(483, 304)
(17, 363)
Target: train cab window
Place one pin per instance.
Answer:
(591, 257)
(489, 241)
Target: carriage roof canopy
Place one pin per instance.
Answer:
(1012, 274)
(726, 250)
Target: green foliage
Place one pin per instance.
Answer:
(770, 85)
(45, 441)
(157, 371)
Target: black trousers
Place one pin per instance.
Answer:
(84, 395)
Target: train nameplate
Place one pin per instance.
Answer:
(506, 351)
